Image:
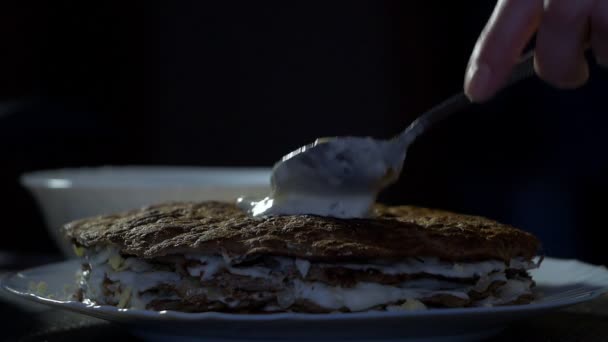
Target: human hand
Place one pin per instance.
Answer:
(564, 29)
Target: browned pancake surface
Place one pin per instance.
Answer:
(215, 228)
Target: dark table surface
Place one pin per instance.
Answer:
(23, 320)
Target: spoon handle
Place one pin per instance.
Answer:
(522, 70)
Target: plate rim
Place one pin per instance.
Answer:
(108, 310)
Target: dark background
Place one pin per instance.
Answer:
(240, 83)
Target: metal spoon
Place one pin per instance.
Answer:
(342, 176)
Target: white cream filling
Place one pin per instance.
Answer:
(436, 267)
(210, 265)
(363, 295)
(328, 205)
(131, 275)
(142, 281)
(133, 281)
(303, 266)
(136, 276)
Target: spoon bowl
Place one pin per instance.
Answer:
(345, 164)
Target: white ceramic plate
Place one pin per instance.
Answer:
(559, 283)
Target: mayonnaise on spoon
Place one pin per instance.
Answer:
(337, 177)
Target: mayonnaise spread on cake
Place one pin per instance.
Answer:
(136, 283)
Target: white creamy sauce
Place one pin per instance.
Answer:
(436, 267)
(523, 264)
(93, 286)
(331, 205)
(102, 256)
(210, 265)
(196, 271)
(136, 276)
(331, 177)
(254, 271)
(484, 282)
(303, 266)
(142, 281)
(363, 295)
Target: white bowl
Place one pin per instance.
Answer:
(68, 194)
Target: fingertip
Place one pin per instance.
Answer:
(477, 80)
(509, 28)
